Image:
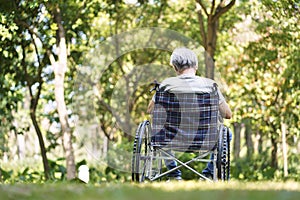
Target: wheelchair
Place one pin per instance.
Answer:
(186, 123)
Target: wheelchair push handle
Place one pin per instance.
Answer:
(157, 84)
(155, 87)
(215, 87)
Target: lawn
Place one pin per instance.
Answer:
(153, 191)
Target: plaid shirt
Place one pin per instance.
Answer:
(185, 121)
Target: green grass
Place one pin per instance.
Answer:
(153, 191)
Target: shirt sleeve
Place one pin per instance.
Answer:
(221, 97)
(153, 98)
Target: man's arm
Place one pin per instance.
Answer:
(225, 110)
(150, 107)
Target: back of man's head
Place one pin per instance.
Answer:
(183, 58)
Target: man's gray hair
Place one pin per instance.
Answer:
(183, 58)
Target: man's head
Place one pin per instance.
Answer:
(183, 58)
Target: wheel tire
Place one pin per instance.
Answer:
(223, 160)
(141, 152)
(133, 167)
(228, 157)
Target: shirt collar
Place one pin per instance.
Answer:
(186, 75)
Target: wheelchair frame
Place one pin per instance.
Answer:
(148, 157)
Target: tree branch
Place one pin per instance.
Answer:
(221, 10)
(110, 110)
(109, 134)
(33, 33)
(213, 4)
(276, 97)
(27, 26)
(202, 29)
(40, 68)
(203, 7)
(23, 62)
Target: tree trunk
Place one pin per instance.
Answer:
(209, 66)
(237, 139)
(60, 69)
(248, 137)
(42, 144)
(210, 48)
(20, 145)
(19, 141)
(34, 99)
(209, 33)
(274, 163)
(1, 175)
(260, 143)
(284, 149)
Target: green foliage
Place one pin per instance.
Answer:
(263, 82)
(5, 175)
(58, 170)
(26, 175)
(258, 168)
(253, 169)
(257, 55)
(198, 166)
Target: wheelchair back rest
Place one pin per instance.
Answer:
(185, 120)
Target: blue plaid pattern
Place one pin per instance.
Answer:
(185, 121)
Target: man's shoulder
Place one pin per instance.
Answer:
(174, 78)
(188, 79)
(170, 80)
(204, 79)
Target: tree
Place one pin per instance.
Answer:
(69, 25)
(60, 68)
(262, 88)
(209, 29)
(50, 33)
(23, 65)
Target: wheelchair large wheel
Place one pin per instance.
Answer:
(223, 160)
(141, 152)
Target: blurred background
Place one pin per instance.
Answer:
(75, 79)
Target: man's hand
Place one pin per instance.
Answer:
(225, 110)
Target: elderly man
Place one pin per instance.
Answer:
(185, 64)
